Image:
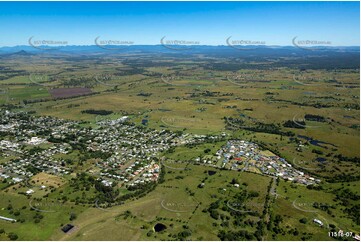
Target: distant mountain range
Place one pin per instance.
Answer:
(26, 49)
(315, 58)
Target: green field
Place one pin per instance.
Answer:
(309, 117)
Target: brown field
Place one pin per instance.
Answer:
(69, 92)
(47, 180)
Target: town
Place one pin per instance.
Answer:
(123, 152)
(247, 156)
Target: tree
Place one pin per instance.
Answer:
(72, 216)
(12, 236)
(214, 214)
(185, 233)
(234, 181)
(303, 220)
(150, 232)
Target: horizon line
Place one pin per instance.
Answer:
(87, 45)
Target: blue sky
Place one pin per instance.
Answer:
(274, 23)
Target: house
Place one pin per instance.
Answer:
(8, 219)
(17, 179)
(29, 192)
(36, 141)
(67, 228)
(319, 222)
(107, 183)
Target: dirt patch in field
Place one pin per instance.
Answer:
(47, 180)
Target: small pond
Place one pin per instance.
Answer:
(159, 227)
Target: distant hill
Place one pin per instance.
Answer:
(22, 52)
(16, 54)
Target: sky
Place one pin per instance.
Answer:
(206, 23)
